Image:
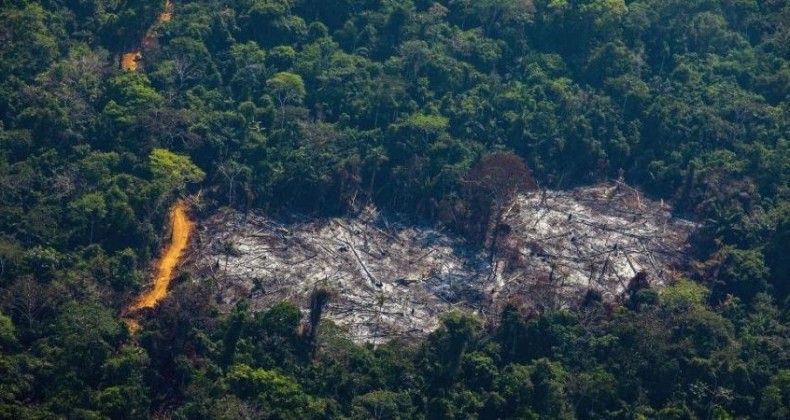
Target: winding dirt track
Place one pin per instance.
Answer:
(181, 227)
(130, 61)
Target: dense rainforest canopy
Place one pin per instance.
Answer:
(321, 107)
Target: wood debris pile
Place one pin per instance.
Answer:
(563, 243)
(391, 279)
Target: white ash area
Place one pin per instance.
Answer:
(391, 279)
(562, 243)
(388, 279)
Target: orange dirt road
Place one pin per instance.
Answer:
(182, 227)
(131, 60)
(168, 13)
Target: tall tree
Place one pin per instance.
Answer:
(287, 88)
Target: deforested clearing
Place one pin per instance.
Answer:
(391, 278)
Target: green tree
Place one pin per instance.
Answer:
(446, 348)
(7, 335)
(775, 255)
(549, 398)
(743, 272)
(88, 210)
(32, 44)
(427, 125)
(172, 172)
(287, 88)
(279, 396)
(382, 405)
(775, 398)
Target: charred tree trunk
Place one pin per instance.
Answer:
(318, 301)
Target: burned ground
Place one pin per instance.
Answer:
(390, 278)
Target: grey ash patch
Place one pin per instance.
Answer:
(393, 279)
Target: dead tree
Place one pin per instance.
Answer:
(231, 171)
(489, 188)
(320, 297)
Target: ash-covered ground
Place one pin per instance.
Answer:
(392, 279)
